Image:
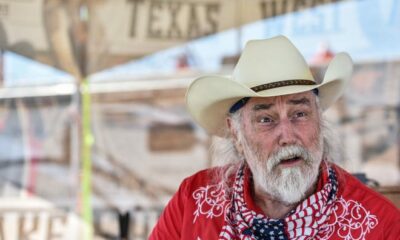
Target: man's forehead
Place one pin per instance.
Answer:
(284, 98)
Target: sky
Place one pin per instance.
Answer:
(21, 71)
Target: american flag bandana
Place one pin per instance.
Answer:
(301, 223)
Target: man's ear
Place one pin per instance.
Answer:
(234, 134)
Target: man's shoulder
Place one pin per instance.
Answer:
(206, 176)
(351, 189)
(203, 173)
(210, 179)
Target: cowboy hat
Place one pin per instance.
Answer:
(266, 68)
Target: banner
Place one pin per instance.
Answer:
(83, 39)
(35, 218)
(121, 30)
(40, 30)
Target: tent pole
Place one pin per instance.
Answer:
(2, 67)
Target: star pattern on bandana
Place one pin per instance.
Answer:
(272, 229)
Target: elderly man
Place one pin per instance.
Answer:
(279, 180)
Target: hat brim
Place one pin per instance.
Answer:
(209, 98)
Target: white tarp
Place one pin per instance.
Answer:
(127, 29)
(110, 32)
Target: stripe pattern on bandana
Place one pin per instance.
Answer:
(301, 223)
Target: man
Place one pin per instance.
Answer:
(279, 182)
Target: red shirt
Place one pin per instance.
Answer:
(197, 211)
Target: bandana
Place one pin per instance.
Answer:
(304, 222)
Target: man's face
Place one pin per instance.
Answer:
(281, 140)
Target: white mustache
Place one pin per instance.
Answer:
(288, 152)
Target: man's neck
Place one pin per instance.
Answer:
(272, 207)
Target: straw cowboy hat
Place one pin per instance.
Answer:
(266, 68)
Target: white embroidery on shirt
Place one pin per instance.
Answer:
(211, 201)
(349, 220)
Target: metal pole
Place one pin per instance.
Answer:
(1, 67)
(398, 135)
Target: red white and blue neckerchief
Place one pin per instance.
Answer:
(304, 222)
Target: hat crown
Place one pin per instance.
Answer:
(267, 68)
(268, 61)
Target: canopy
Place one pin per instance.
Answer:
(84, 36)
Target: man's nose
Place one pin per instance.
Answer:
(286, 133)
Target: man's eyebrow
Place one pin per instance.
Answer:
(304, 101)
(262, 106)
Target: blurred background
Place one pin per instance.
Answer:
(94, 134)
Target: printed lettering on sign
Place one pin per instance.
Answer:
(165, 19)
(4, 10)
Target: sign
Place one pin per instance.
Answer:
(171, 137)
(32, 218)
(55, 33)
(128, 29)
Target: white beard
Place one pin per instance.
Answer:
(289, 184)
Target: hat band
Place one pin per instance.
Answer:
(237, 105)
(267, 86)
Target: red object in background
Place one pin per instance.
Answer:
(323, 55)
(35, 148)
(182, 62)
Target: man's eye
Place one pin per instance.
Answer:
(265, 120)
(300, 114)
